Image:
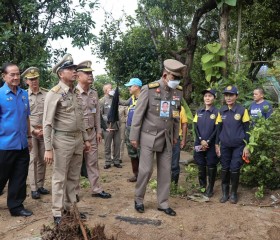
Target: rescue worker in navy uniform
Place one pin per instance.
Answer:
(205, 132)
(233, 125)
(156, 134)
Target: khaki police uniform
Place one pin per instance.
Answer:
(155, 135)
(37, 165)
(110, 137)
(65, 133)
(91, 119)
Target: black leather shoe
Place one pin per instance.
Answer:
(43, 191)
(107, 166)
(22, 213)
(168, 211)
(102, 195)
(57, 220)
(35, 194)
(118, 165)
(139, 207)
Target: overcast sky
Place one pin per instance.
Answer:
(113, 6)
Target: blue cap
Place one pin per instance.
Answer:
(231, 89)
(210, 90)
(134, 82)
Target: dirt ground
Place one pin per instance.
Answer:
(194, 220)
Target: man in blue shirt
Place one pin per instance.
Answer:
(260, 107)
(15, 139)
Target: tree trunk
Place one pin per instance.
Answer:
(191, 41)
(223, 34)
(237, 64)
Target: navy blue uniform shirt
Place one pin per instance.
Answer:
(235, 123)
(205, 124)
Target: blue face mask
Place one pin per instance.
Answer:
(173, 83)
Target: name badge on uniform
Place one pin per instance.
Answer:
(175, 114)
(164, 109)
(93, 110)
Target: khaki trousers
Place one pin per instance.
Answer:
(109, 138)
(91, 159)
(37, 165)
(163, 175)
(68, 150)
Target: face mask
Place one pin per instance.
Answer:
(112, 92)
(173, 84)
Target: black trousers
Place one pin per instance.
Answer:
(14, 168)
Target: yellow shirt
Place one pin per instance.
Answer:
(183, 119)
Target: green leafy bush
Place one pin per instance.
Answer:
(264, 167)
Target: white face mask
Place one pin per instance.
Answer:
(112, 92)
(173, 84)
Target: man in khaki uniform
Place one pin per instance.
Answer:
(64, 136)
(91, 117)
(157, 134)
(37, 165)
(112, 133)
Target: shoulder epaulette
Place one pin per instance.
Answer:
(44, 89)
(179, 88)
(153, 85)
(55, 88)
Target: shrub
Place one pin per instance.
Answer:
(264, 167)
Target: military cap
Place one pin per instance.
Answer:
(31, 73)
(65, 62)
(174, 67)
(84, 66)
(231, 89)
(210, 90)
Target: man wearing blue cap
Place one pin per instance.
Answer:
(232, 133)
(134, 86)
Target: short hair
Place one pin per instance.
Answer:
(105, 86)
(261, 90)
(6, 65)
(166, 103)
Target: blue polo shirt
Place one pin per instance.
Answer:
(14, 111)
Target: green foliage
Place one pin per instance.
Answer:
(228, 2)
(191, 177)
(264, 167)
(211, 63)
(127, 55)
(177, 190)
(84, 182)
(260, 193)
(26, 26)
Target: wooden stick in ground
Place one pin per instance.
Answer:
(77, 216)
